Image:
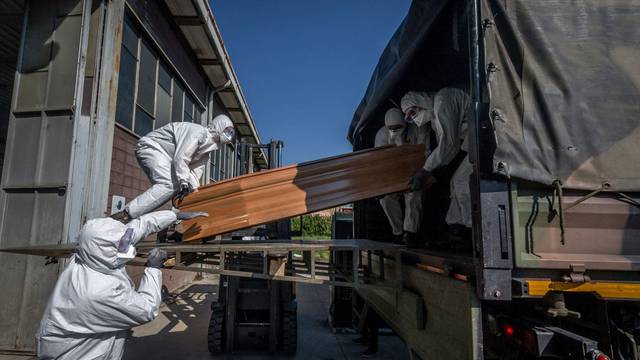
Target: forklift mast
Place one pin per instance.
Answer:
(247, 152)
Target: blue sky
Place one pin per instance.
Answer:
(304, 65)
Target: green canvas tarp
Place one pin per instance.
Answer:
(562, 81)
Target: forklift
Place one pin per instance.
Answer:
(255, 313)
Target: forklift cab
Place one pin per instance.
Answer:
(255, 313)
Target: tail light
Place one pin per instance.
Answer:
(522, 338)
(508, 331)
(598, 355)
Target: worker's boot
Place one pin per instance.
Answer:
(411, 240)
(122, 216)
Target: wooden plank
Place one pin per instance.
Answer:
(294, 190)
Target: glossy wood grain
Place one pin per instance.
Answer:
(294, 190)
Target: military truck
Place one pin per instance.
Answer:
(554, 133)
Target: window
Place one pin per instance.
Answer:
(188, 108)
(149, 95)
(163, 109)
(147, 79)
(222, 164)
(178, 95)
(164, 78)
(127, 76)
(198, 115)
(130, 37)
(144, 122)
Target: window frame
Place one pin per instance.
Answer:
(143, 36)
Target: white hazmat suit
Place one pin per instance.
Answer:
(409, 134)
(94, 303)
(446, 112)
(173, 155)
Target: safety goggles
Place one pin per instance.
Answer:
(395, 128)
(228, 133)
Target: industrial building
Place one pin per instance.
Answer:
(80, 82)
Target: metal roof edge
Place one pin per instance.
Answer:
(212, 30)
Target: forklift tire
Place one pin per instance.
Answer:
(289, 335)
(215, 338)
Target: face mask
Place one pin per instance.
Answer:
(395, 136)
(420, 118)
(227, 135)
(126, 250)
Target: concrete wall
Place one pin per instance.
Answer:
(12, 14)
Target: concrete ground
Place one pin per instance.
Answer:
(180, 331)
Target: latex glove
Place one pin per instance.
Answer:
(185, 189)
(156, 258)
(187, 215)
(421, 180)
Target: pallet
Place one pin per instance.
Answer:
(214, 258)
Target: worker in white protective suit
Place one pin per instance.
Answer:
(398, 132)
(94, 302)
(174, 158)
(446, 113)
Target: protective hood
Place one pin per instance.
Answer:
(212, 140)
(98, 244)
(418, 99)
(394, 117)
(207, 144)
(422, 102)
(218, 125)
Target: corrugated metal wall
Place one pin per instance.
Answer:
(12, 15)
(39, 154)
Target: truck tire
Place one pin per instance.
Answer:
(289, 329)
(215, 334)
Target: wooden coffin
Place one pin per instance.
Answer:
(294, 190)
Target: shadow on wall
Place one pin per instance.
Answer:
(177, 326)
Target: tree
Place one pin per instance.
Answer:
(313, 226)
